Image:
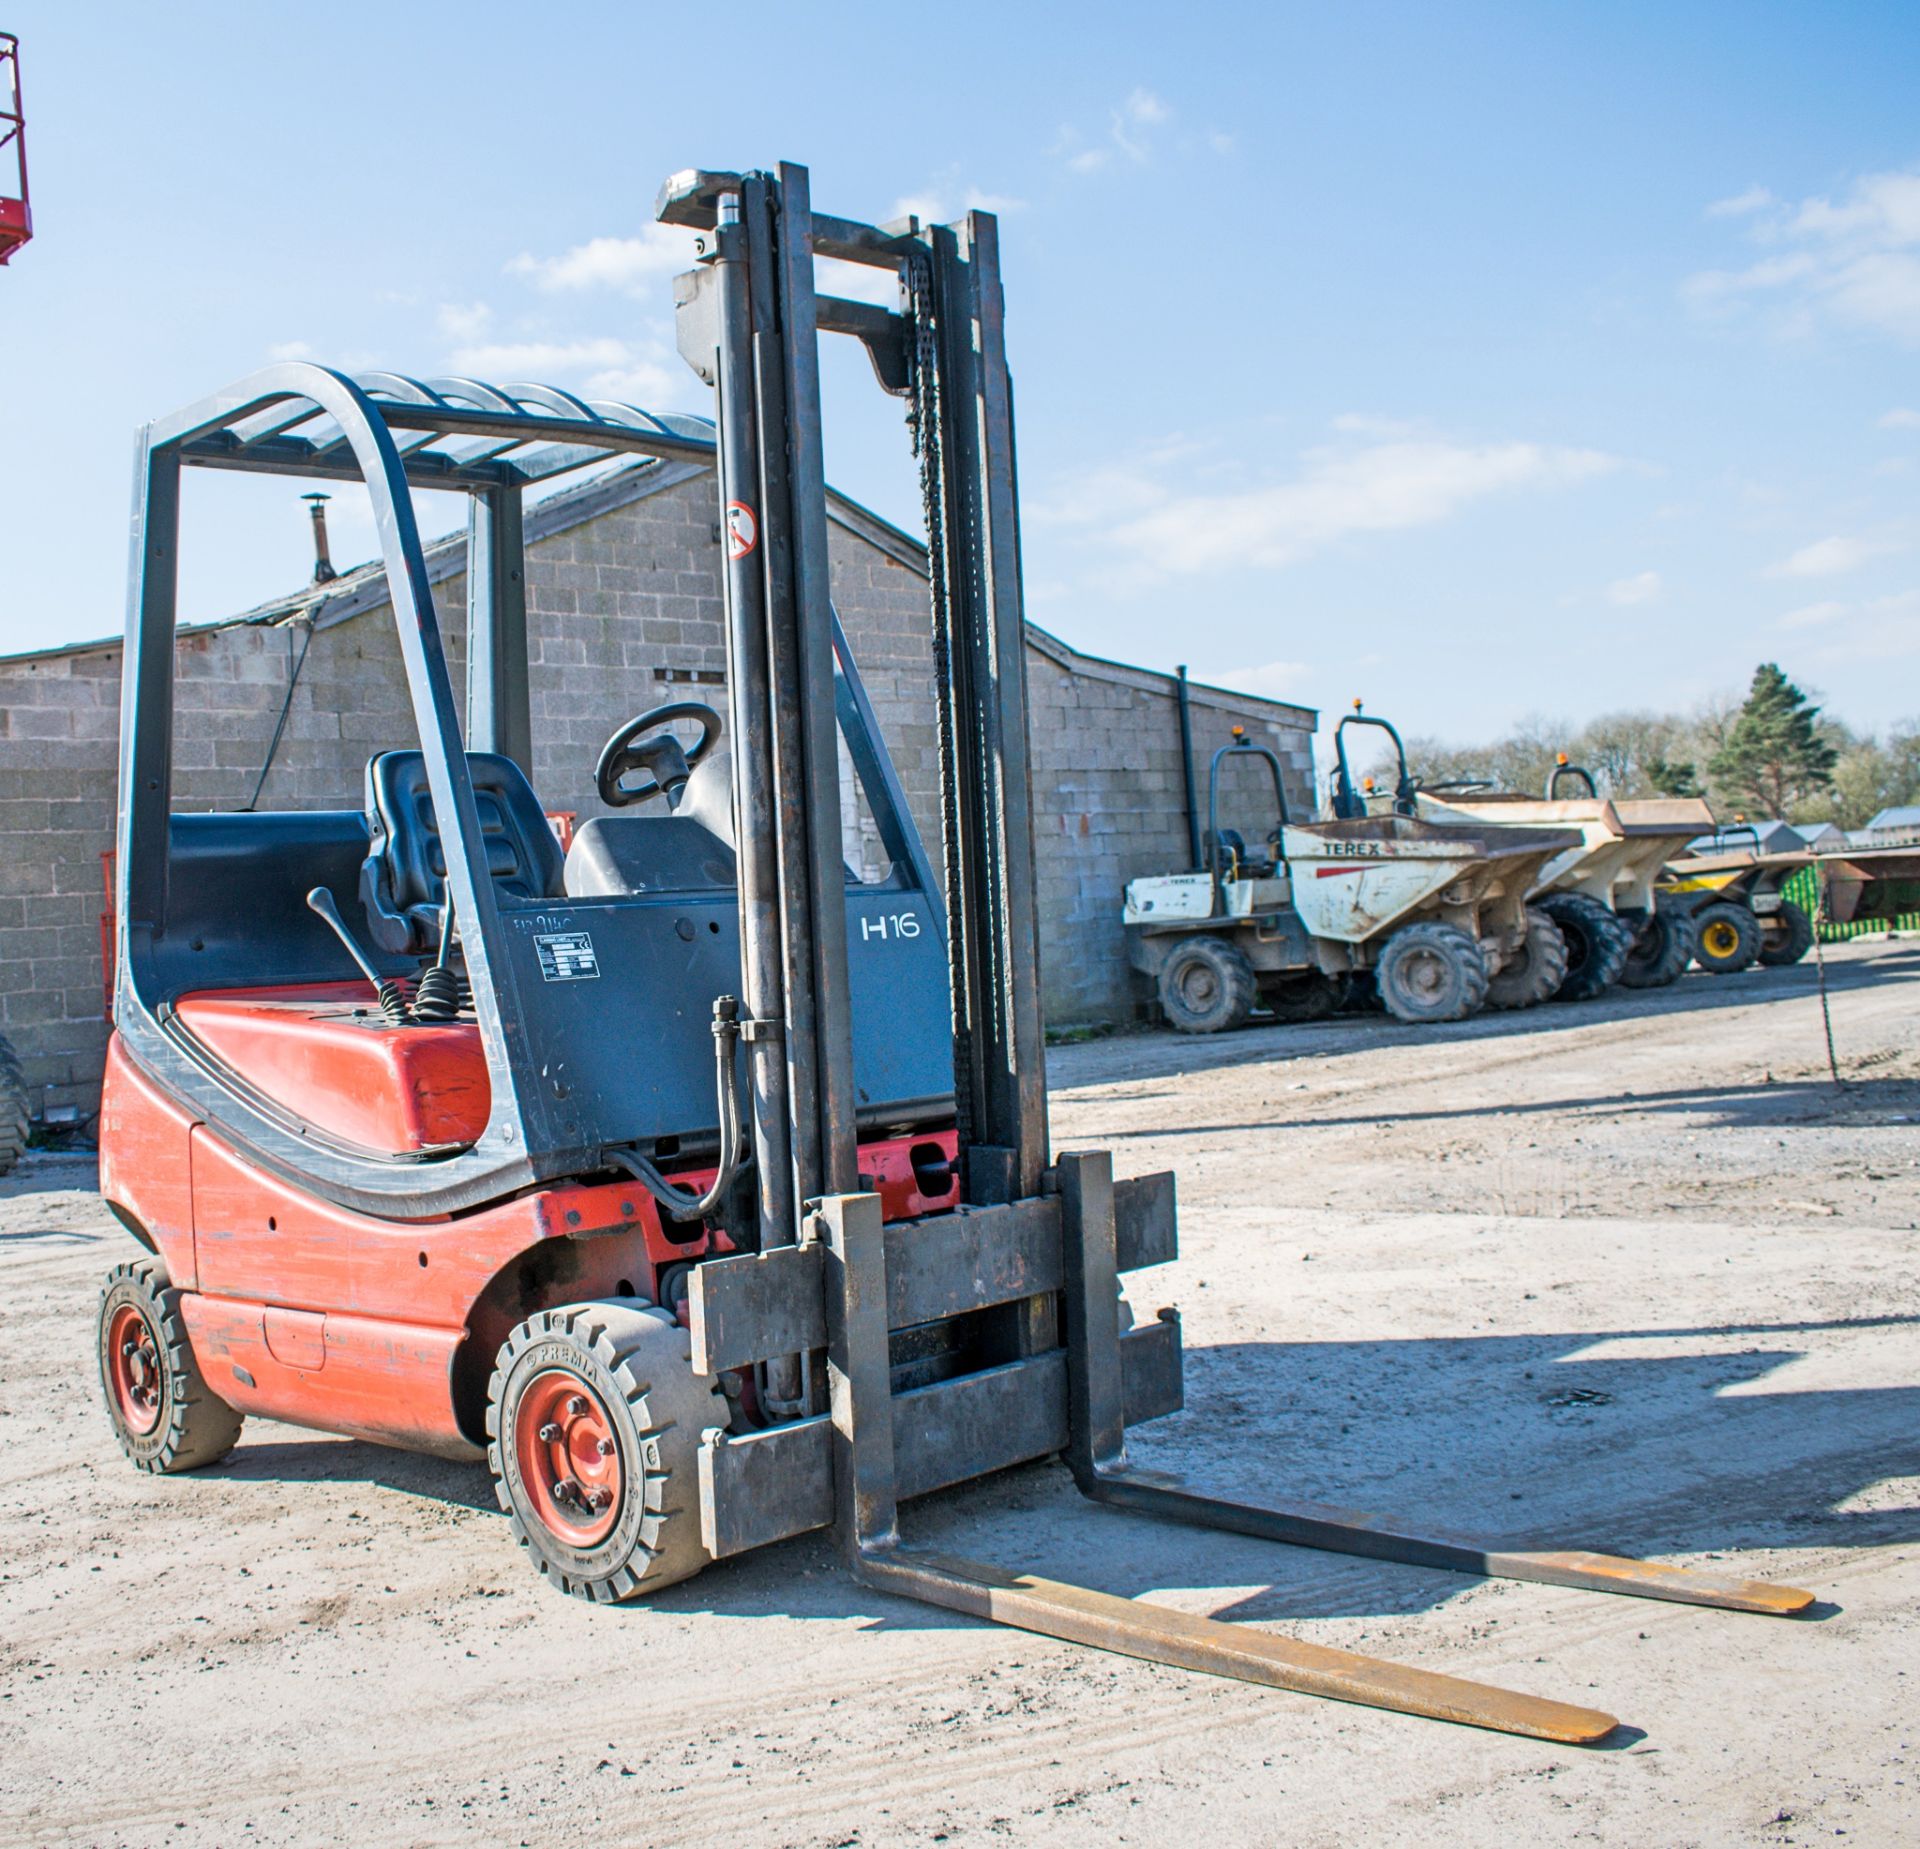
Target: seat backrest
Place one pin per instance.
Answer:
(403, 879)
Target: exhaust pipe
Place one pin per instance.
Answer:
(323, 571)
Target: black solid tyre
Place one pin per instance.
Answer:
(1661, 951)
(1598, 944)
(1729, 938)
(1431, 972)
(16, 1116)
(1785, 936)
(629, 1368)
(1206, 985)
(1536, 972)
(165, 1415)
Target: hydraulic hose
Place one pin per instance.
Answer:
(683, 1203)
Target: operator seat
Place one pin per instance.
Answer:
(403, 878)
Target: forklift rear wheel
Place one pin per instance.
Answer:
(1207, 985)
(16, 1117)
(1431, 972)
(165, 1415)
(1598, 944)
(1661, 952)
(1535, 971)
(594, 1420)
(1785, 936)
(1729, 939)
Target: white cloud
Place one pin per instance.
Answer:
(1341, 491)
(633, 265)
(1900, 420)
(1828, 558)
(1274, 680)
(1130, 133)
(940, 203)
(1882, 629)
(464, 321)
(1855, 262)
(1642, 587)
(1813, 615)
(530, 358)
(290, 350)
(642, 383)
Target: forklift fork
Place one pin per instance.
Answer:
(866, 1506)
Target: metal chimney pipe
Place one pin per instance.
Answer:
(323, 571)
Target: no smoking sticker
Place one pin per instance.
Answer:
(743, 531)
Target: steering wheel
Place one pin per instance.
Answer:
(665, 760)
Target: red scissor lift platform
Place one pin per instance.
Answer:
(16, 217)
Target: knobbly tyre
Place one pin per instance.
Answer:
(707, 1217)
(1601, 893)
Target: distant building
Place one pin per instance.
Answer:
(624, 614)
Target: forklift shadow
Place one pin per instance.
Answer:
(1862, 1100)
(317, 1457)
(1527, 1442)
(1538, 1441)
(1163, 1053)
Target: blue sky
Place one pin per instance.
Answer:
(1486, 361)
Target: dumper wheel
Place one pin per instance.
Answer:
(594, 1417)
(165, 1415)
(1536, 970)
(1207, 985)
(1729, 938)
(1297, 1000)
(1598, 944)
(1431, 972)
(1661, 951)
(16, 1115)
(1785, 936)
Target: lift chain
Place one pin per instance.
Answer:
(923, 419)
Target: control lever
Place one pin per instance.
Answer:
(436, 997)
(393, 998)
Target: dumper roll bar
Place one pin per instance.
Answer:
(1038, 1242)
(1349, 805)
(1239, 746)
(1561, 769)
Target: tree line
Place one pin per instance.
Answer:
(1773, 753)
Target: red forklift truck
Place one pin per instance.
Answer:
(698, 1181)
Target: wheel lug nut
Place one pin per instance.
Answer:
(604, 1446)
(549, 1433)
(598, 1498)
(577, 1407)
(566, 1490)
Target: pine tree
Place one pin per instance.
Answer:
(1773, 758)
(1673, 779)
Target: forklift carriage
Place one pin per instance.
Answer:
(701, 1181)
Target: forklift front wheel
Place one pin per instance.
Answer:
(594, 1421)
(165, 1415)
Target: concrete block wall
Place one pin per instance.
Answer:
(624, 614)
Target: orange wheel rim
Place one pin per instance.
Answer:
(569, 1458)
(134, 1375)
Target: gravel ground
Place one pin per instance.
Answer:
(1634, 1275)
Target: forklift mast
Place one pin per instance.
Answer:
(749, 321)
